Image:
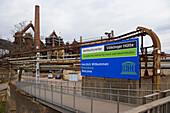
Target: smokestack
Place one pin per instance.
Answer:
(112, 33)
(37, 28)
(80, 39)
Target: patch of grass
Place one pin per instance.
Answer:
(2, 104)
(2, 107)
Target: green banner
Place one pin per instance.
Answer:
(108, 54)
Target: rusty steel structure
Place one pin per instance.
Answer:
(140, 33)
(156, 56)
(61, 57)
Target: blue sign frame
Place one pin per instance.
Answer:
(111, 60)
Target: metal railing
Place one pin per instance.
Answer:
(158, 106)
(101, 88)
(109, 93)
(58, 92)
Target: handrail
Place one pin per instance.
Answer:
(153, 106)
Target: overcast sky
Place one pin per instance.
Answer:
(89, 18)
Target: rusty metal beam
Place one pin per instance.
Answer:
(156, 56)
(27, 27)
(154, 37)
(100, 41)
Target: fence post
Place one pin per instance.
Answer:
(27, 87)
(74, 95)
(45, 91)
(39, 89)
(56, 86)
(75, 86)
(61, 95)
(35, 89)
(95, 90)
(110, 91)
(52, 93)
(31, 89)
(47, 84)
(117, 101)
(128, 92)
(67, 87)
(84, 86)
(92, 100)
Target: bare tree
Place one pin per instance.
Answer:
(19, 27)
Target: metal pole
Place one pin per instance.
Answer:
(52, 93)
(56, 86)
(92, 100)
(84, 89)
(39, 89)
(37, 66)
(35, 90)
(74, 98)
(47, 84)
(110, 91)
(117, 101)
(67, 87)
(28, 87)
(25, 86)
(95, 89)
(45, 90)
(31, 88)
(61, 95)
(75, 86)
(166, 108)
(128, 92)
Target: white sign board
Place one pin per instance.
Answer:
(73, 76)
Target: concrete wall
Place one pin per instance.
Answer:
(146, 84)
(20, 102)
(66, 74)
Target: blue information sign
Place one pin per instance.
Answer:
(111, 60)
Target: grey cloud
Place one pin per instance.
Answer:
(163, 28)
(89, 18)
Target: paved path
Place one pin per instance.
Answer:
(81, 103)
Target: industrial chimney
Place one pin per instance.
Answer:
(37, 28)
